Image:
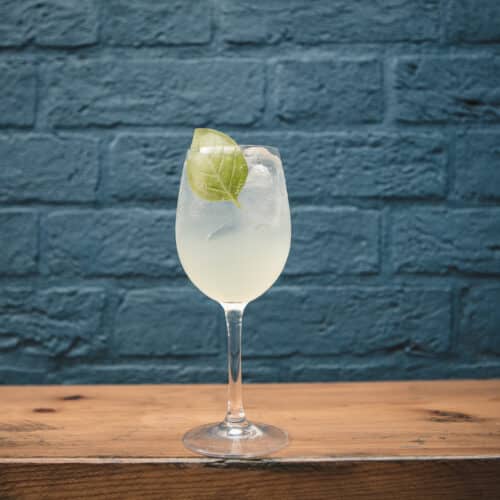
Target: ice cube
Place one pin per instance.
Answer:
(261, 167)
(258, 176)
(259, 197)
(258, 154)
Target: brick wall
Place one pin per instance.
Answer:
(388, 118)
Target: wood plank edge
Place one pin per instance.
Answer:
(247, 462)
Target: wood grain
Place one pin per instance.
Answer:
(358, 440)
(413, 479)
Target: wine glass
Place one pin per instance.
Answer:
(233, 251)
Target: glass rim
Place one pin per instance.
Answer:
(272, 149)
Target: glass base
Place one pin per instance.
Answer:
(236, 441)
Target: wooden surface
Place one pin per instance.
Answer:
(360, 440)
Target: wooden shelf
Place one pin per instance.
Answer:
(348, 440)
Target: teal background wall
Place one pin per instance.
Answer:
(387, 114)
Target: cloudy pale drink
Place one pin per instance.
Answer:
(234, 252)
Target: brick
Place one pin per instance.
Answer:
(479, 370)
(16, 23)
(468, 21)
(18, 242)
(439, 240)
(71, 23)
(48, 168)
(16, 300)
(18, 84)
(480, 321)
(447, 89)
(353, 320)
(148, 22)
(155, 92)
(334, 240)
(388, 367)
(246, 22)
(370, 165)
(140, 373)
(168, 322)
(146, 166)
(17, 376)
(266, 370)
(328, 92)
(53, 322)
(110, 243)
(477, 166)
(426, 368)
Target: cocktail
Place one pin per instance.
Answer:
(233, 236)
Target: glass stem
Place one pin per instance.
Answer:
(235, 415)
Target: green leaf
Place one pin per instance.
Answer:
(216, 167)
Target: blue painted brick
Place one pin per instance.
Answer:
(447, 89)
(480, 320)
(354, 320)
(266, 370)
(18, 84)
(16, 299)
(110, 243)
(183, 370)
(376, 368)
(149, 22)
(48, 168)
(15, 22)
(54, 322)
(334, 240)
(472, 21)
(481, 370)
(18, 242)
(71, 23)
(320, 167)
(168, 321)
(22, 375)
(146, 166)
(193, 93)
(439, 240)
(386, 116)
(328, 91)
(246, 21)
(477, 166)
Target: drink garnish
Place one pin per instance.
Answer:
(216, 167)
